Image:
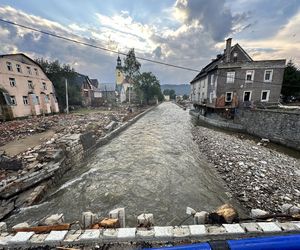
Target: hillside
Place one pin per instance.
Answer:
(180, 89)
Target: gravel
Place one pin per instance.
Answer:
(257, 176)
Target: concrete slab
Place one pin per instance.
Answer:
(125, 234)
(72, 235)
(251, 227)
(215, 229)
(55, 237)
(145, 234)
(287, 226)
(269, 227)
(110, 234)
(20, 238)
(163, 232)
(197, 230)
(38, 239)
(233, 228)
(90, 235)
(181, 232)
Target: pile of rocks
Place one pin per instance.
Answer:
(257, 176)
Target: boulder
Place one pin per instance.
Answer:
(145, 220)
(54, 219)
(256, 213)
(201, 217)
(3, 227)
(20, 225)
(290, 209)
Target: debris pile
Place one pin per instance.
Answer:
(257, 176)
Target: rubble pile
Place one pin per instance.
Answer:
(257, 176)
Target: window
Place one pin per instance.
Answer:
(247, 96)
(249, 75)
(28, 70)
(9, 66)
(37, 100)
(13, 100)
(36, 71)
(30, 85)
(44, 86)
(12, 82)
(268, 75)
(228, 96)
(265, 95)
(19, 69)
(212, 79)
(25, 100)
(235, 55)
(211, 97)
(47, 98)
(230, 77)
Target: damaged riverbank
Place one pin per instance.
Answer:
(40, 167)
(257, 176)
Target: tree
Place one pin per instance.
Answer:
(57, 74)
(171, 93)
(291, 80)
(185, 97)
(131, 66)
(149, 85)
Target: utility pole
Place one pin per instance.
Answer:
(67, 97)
(129, 93)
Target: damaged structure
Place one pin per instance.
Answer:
(234, 80)
(25, 90)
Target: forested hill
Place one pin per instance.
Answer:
(181, 89)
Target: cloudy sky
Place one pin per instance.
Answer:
(188, 33)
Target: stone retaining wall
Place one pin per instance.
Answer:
(135, 238)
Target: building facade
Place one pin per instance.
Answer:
(234, 80)
(25, 90)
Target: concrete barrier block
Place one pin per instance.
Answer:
(144, 234)
(90, 235)
(88, 219)
(55, 237)
(20, 238)
(118, 213)
(4, 239)
(181, 232)
(287, 226)
(163, 232)
(269, 227)
(197, 230)
(110, 234)
(37, 239)
(251, 227)
(125, 234)
(72, 235)
(145, 220)
(215, 229)
(233, 228)
(296, 223)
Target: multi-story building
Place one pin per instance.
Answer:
(234, 80)
(25, 89)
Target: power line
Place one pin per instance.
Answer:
(95, 46)
(118, 52)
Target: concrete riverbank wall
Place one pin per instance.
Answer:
(281, 127)
(73, 150)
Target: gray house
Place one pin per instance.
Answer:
(234, 80)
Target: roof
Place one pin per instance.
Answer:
(215, 63)
(81, 79)
(95, 82)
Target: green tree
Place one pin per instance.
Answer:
(171, 93)
(185, 97)
(291, 80)
(149, 85)
(57, 73)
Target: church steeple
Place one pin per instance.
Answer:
(119, 73)
(119, 63)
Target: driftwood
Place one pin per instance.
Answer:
(44, 229)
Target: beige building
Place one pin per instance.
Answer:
(25, 89)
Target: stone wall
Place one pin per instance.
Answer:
(278, 126)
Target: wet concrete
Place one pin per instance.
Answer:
(154, 166)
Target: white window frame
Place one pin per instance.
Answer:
(252, 75)
(226, 96)
(25, 100)
(268, 96)
(230, 79)
(12, 82)
(271, 75)
(13, 100)
(9, 66)
(212, 79)
(19, 68)
(249, 96)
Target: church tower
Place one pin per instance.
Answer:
(119, 73)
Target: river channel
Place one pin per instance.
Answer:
(154, 166)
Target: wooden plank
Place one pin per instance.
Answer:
(44, 229)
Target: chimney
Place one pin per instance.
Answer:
(227, 50)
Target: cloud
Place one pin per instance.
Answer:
(213, 15)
